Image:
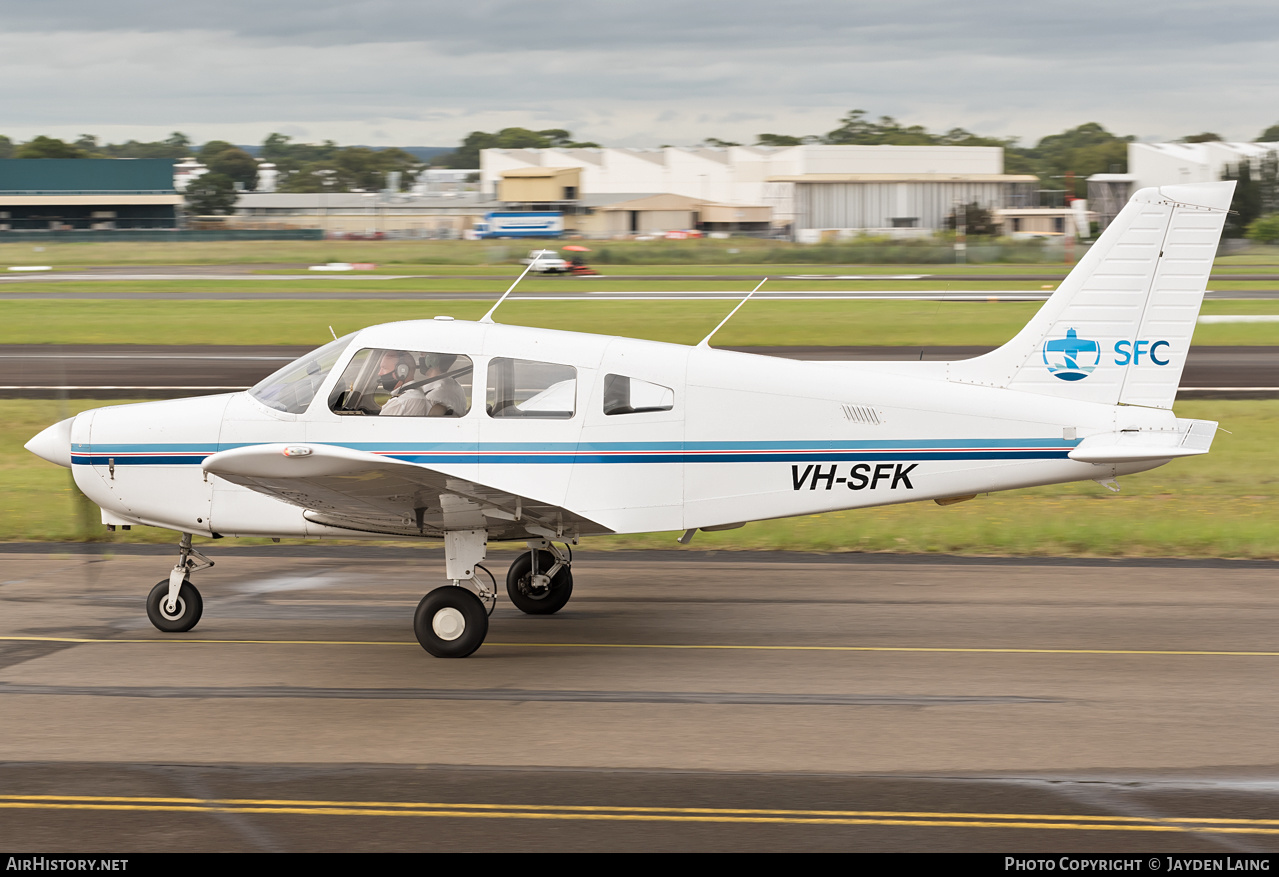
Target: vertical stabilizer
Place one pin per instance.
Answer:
(1118, 328)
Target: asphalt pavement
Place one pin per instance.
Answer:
(683, 700)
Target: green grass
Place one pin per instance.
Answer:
(760, 323)
(638, 256)
(1256, 256)
(365, 285)
(1221, 505)
(737, 251)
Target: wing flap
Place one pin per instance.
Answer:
(356, 490)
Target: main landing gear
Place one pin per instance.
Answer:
(452, 621)
(539, 582)
(174, 605)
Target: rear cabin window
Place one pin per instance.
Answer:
(529, 389)
(386, 382)
(623, 395)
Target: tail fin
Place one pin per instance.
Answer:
(1118, 329)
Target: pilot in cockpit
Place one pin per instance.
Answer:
(395, 370)
(434, 394)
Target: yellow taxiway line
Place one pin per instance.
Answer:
(675, 646)
(641, 814)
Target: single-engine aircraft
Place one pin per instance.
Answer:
(474, 432)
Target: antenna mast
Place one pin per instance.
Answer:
(488, 318)
(705, 342)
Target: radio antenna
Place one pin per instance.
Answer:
(706, 342)
(488, 318)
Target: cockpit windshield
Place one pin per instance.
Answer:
(292, 388)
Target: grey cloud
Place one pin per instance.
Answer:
(564, 25)
(661, 71)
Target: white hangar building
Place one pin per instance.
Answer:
(1166, 164)
(806, 187)
(1163, 164)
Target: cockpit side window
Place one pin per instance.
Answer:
(387, 382)
(292, 388)
(525, 388)
(623, 395)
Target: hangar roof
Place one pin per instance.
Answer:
(86, 176)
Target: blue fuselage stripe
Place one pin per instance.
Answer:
(471, 453)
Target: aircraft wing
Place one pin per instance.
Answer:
(356, 490)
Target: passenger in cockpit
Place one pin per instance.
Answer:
(444, 395)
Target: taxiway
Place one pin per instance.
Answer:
(683, 700)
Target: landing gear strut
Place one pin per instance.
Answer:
(452, 621)
(174, 605)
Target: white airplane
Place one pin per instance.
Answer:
(472, 432)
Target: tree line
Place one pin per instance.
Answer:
(309, 167)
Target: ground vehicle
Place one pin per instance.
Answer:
(517, 224)
(545, 262)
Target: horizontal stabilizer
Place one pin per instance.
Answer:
(1191, 438)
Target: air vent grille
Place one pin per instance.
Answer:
(862, 414)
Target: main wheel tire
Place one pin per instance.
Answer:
(187, 616)
(538, 601)
(450, 622)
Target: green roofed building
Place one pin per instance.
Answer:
(78, 194)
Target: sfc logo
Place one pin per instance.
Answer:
(1071, 358)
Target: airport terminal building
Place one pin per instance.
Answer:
(73, 194)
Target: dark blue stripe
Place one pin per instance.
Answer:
(598, 447)
(565, 459)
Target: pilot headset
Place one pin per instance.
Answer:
(403, 370)
(442, 361)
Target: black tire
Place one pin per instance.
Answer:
(450, 622)
(190, 607)
(529, 600)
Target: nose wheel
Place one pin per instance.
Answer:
(178, 616)
(174, 605)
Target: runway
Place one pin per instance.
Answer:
(267, 273)
(683, 700)
(526, 294)
(126, 371)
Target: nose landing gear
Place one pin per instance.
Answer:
(174, 618)
(174, 605)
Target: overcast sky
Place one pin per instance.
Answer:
(632, 72)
